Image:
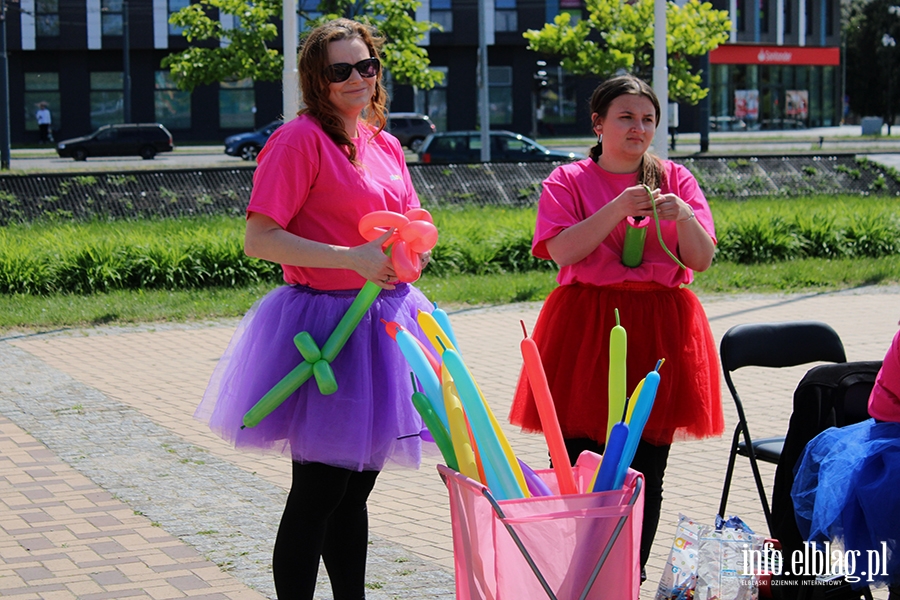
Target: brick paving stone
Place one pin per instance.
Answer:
(116, 478)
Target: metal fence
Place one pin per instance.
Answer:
(185, 192)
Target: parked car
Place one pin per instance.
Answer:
(506, 146)
(129, 139)
(410, 128)
(247, 145)
(727, 123)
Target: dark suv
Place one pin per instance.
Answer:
(410, 128)
(129, 139)
(506, 146)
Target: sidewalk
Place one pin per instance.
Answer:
(109, 489)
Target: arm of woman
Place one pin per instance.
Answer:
(574, 243)
(695, 247)
(264, 238)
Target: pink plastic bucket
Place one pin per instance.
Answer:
(566, 538)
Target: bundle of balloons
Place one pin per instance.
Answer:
(414, 233)
(469, 437)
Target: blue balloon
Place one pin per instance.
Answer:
(485, 437)
(424, 373)
(639, 417)
(611, 458)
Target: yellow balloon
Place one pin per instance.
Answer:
(634, 397)
(459, 434)
(434, 332)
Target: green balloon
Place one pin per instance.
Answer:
(438, 432)
(278, 394)
(324, 377)
(307, 346)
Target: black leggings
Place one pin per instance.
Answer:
(651, 461)
(325, 516)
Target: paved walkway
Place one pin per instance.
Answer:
(109, 489)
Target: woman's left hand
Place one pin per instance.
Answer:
(670, 207)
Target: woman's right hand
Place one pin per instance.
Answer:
(370, 261)
(635, 202)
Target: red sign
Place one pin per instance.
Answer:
(730, 54)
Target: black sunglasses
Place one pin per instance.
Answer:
(339, 72)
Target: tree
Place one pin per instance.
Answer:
(870, 64)
(246, 51)
(618, 36)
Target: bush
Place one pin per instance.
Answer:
(207, 252)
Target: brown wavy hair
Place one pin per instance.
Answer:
(314, 85)
(651, 172)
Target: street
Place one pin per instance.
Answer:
(843, 139)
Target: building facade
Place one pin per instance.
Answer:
(71, 55)
(780, 69)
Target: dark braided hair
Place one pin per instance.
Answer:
(651, 172)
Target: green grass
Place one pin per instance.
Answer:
(64, 274)
(28, 313)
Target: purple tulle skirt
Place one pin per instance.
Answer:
(845, 490)
(368, 424)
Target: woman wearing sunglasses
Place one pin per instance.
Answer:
(317, 176)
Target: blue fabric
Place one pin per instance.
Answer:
(847, 490)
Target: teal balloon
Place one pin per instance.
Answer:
(485, 437)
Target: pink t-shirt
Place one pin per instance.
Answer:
(884, 402)
(575, 191)
(306, 183)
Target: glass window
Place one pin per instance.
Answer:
(764, 16)
(739, 15)
(111, 17)
(557, 101)
(237, 104)
(505, 15)
(499, 96)
(106, 98)
(39, 88)
(442, 14)
(172, 106)
(174, 7)
(787, 15)
(436, 101)
(46, 18)
(829, 17)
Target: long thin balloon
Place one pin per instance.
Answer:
(485, 435)
(642, 407)
(438, 432)
(612, 455)
(419, 364)
(434, 332)
(302, 372)
(618, 343)
(444, 321)
(534, 369)
(459, 435)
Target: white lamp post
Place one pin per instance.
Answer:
(889, 42)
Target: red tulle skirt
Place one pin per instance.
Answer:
(572, 334)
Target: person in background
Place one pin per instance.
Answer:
(845, 488)
(317, 176)
(581, 225)
(43, 120)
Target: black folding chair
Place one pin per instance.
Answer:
(773, 345)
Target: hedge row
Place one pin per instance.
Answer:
(47, 258)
